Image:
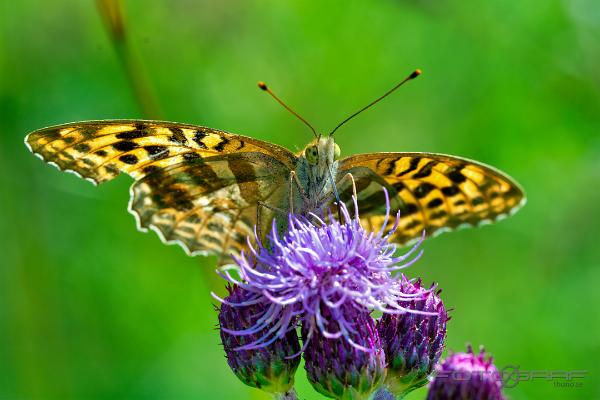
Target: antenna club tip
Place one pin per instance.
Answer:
(416, 73)
(262, 85)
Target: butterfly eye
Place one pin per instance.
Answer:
(336, 151)
(312, 154)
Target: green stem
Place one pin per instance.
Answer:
(290, 395)
(384, 394)
(112, 16)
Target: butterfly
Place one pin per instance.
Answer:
(207, 189)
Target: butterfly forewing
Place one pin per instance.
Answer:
(100, 150)
(434, 192)
(195, 186)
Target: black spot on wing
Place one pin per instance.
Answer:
(88, 132)
(456, 176)
(399, 186)
(130, 159)
(52, 135)
(438, 215)
(423, 190)
(513, 192)
(239, 239)
(408, 209)
(425, 171)
(180, 199)
(413, 224)
(198, 136)
(178, 136)
(151, 169)
(450, 191)
(82, 148)
(157, 152)
(101, 153)
(190, 156)
(203, 175)
(221, 146)
(111, 169)
(214, 227)
(391, 166)
(210, 239)
(170, 197)
(435, 203)
(414, 163)
(166, 193)
(194, 219)
(125, 145)
(137, 133)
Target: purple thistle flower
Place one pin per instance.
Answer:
(319, 266)
(338, 369)
(271, 367)
(465, 376)
(413, 343)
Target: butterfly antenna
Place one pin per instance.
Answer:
(264, 87)
(412, 76)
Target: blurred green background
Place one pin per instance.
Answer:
(90, 308)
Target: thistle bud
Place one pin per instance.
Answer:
(343, 363)
(269, 366)
(413, 342)
(466, 376)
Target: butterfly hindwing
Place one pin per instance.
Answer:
(195, 186)
(209, 206)
(434, 192)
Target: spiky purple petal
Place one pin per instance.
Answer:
(270, 367)
(338, 369)
(316, 266)
(465, 376)
(413, 342)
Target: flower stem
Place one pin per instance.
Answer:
(290, 395)
(384, 394)
(112, 16)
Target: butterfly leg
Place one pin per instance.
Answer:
(351, 177)
(354, 195)
(259, 205)
(294, 180)
(326, 198)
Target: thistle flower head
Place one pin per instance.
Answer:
(317, 266)
(413, 342)
(338, 369)
(466, 376)
(270, 367)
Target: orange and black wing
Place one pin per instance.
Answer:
(434, 192)
(195, 186)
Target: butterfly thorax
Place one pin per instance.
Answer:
(316, 168)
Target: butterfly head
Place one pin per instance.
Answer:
(316, 170)
(321, 154)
